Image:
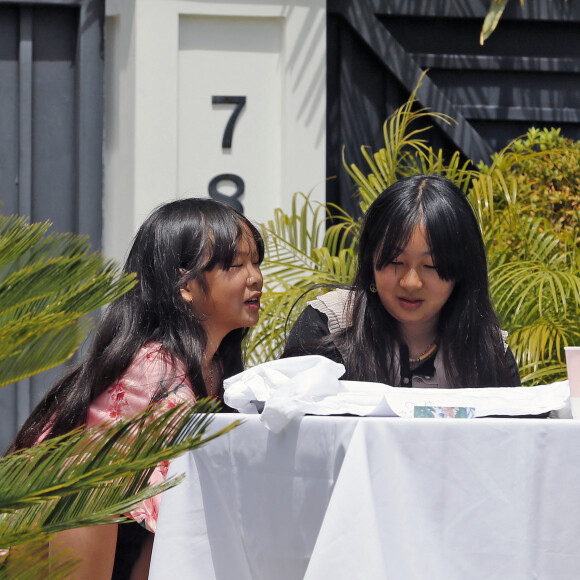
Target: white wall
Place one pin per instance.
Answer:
(165, 59)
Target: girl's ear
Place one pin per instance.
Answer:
(192, 291)
(186, 290)
(186, 294)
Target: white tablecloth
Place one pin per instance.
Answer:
(344, 498)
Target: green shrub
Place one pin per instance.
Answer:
(546, 167)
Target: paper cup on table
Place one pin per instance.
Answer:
(573, 367)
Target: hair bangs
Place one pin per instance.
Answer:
(449, 228)
(223, 241)
(221, 244)
(394, 239)
(444, 255)
(252, 236)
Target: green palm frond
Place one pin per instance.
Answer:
(492, 18)
(535, 374)
(299, 256)
(511, 157)
(534, 274)
(541, 342)
(47, 283)
(292, 241)
(17, 237)
(39, 348)
(540, 243)
(509, 231)
(278, 311)
(43, 279)
(481, 197)
(338, 269)
(342, 231)
(90, 477)
(454, 169)
(529, 290)
(286, 264)
(303, 228)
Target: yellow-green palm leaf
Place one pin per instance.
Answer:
(47, 283)
(91, 477)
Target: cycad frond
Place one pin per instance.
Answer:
(17, 237)
(43, 279)
(47, 283)
(39, 347)
(93, 476)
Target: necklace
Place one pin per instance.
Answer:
(210, 380)
(425, 354)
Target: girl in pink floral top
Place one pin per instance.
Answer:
(133, 393)
(173, 338)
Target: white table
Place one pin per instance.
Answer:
(343, 498)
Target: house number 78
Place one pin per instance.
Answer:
(213, 191)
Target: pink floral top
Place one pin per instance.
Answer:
(131, 394)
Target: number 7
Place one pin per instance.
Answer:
(229, 130)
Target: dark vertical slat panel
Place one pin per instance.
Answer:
(362, 109)
(23, 388)
(64, 128)
(333, 146)
(25, 113)
(9, 123)
(89, 133)
(9, 18)
(54, 112)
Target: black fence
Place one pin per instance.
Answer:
(527, 74)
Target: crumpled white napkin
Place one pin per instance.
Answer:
(291, 387)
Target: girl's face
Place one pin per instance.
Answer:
(232, 299)
(410, 288)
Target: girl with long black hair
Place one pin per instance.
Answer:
(419, 312)
(174, 337)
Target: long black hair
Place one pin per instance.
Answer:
(468, 329)
(178, 242)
